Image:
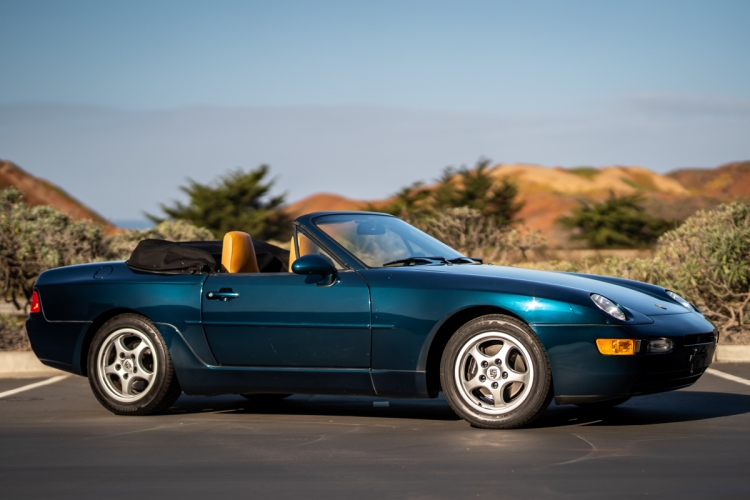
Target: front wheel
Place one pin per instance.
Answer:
(129, 367)
(495, 373)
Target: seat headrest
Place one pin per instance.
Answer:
(306, 247)
(238, 253)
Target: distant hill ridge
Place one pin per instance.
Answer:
(38, 191)
(726, 182)
(549, 192)
(583, 180)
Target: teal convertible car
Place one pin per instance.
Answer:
(361, 304)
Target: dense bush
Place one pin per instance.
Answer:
(706, 259)
(120, 246)
(618, 222)
(13, 334)
(476, 235)
(33, 239)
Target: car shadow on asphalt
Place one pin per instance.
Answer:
(669, 407)
(340, 406)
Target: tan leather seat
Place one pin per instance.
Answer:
(238, 253)
(306, 247)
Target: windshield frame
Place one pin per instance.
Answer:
(311, 225)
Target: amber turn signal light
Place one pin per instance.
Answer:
(616, 347)
(35, 305)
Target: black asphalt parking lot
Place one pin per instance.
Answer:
(57, 442)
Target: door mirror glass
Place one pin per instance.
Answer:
(314, 264)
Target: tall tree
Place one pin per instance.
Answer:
(473, 188)
(618, 222)
(238, 201)
(409, 202)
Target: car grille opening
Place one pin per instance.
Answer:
(699, 338)
(657, 382)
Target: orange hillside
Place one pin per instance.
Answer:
(38, 191)
(549, 193)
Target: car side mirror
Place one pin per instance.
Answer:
(316, 264)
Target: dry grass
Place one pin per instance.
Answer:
(13, 334)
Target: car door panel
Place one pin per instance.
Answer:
(287, 320)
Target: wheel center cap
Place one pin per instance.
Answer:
(493, 373)
(128, 365)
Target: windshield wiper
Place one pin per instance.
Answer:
(466, 260)
(413, 261)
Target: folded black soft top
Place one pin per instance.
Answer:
(194, 257)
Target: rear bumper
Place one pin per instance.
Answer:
(57, 343)
(581, 374)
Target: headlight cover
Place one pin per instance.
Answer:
(659, 346)
(684, 303)
(608, 306)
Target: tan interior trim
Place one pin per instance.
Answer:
(238, 253)
(306, 247)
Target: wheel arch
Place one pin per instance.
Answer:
(91, 331)
(443, 334)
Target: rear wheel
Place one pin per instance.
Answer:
(495, 373)
(130, 370)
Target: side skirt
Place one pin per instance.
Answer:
(199, 377)
(214, 380)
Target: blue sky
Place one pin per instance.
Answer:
(361, 98)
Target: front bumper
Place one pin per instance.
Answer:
(581, 374)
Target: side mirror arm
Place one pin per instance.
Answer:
(316, 264)
(328, 279)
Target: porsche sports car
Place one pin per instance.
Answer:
(362, 304)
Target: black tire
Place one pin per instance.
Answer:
(122, 352)
(264, 398)
(499, 402)
(603, 405)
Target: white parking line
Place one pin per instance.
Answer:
(728, 376)
(32, 386)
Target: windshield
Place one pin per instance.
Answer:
(377, 240)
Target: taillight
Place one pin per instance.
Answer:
(35, 306)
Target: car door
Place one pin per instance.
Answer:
(288, 320)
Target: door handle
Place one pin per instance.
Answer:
(223, 295)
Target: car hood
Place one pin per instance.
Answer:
(641, 301)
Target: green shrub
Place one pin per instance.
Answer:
(706, 260)
(618, 222)
(13, 334)
(585, 172)
(120, 246)
(33, 239)
(477, 235)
